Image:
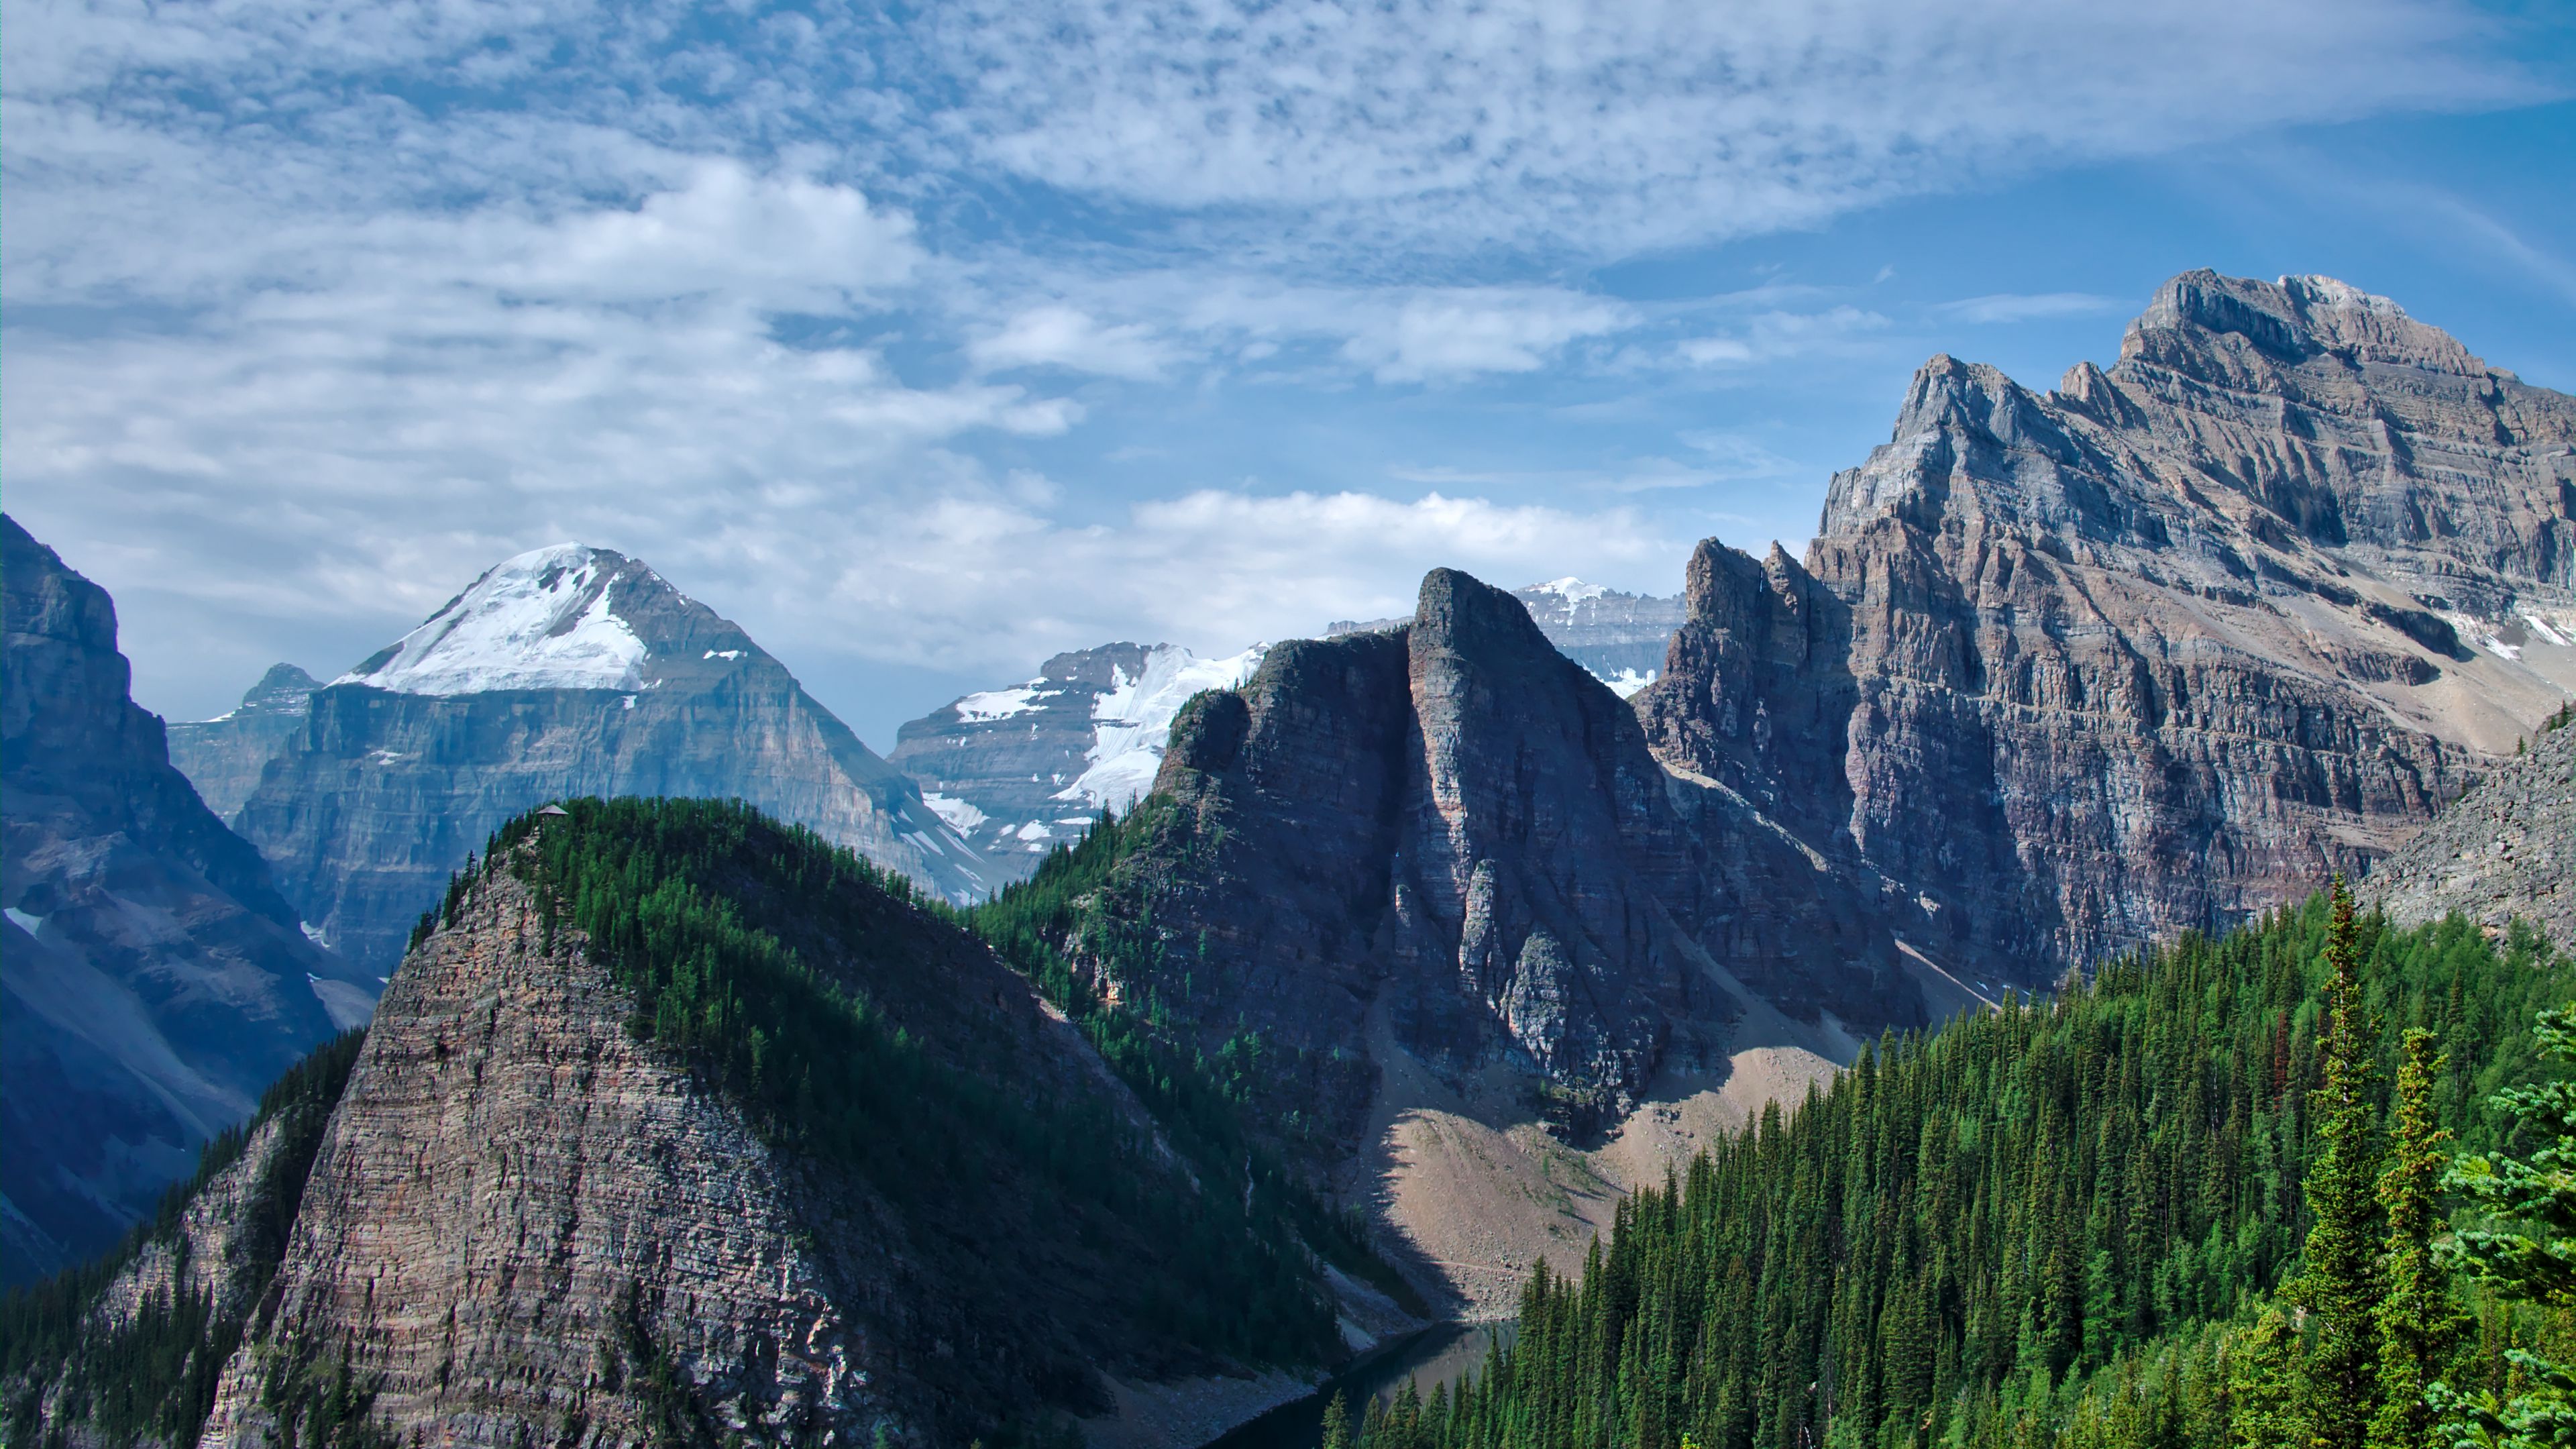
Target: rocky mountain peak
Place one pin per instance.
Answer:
(284, 688)
(2290, 321)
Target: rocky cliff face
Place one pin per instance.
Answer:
(223, 756)
(2174, 642)
(2504, 851)
(1453, 827)
(550, 1207)
(156, 979)
(566, 671)
(1019, 771)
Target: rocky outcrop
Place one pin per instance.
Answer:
(156, 979)
(2173, 643)
(1020, 771)
(1619, 638)
(1456, 826)
(223, 756)
(2504, 851)
(567, 671)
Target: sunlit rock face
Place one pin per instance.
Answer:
(2152, 651)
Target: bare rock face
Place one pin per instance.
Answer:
(156, 979)
(521, 1213)
(568, 671)
(2156, 650)
(223, 756)
(1020, 771)
(1455, 824)
(2504, 851)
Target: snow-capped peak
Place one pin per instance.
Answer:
(543, 620)
(1132, 720)
(1570, 589)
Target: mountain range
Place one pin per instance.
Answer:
(1338, 983)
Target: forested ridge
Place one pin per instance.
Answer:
(2154, 1211)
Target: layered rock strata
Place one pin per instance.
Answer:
(223, 756)
(156, 979)
(565, 672)
(2071, 671)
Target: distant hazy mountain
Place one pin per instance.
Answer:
(1020, 769)
(565, 671)
(223, 756)
(156, 981)
(1620, 638)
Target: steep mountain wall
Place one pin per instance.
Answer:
(156, 979)
(223, 756)
(565, 672)
(2158, 649)
(1454, 825)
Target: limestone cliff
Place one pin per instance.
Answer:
(156, 980)
(223, 756)
(567, 671)
(2170, 644)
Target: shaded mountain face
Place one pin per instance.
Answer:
(1452, 832)
(223, 756)
(2506, 850)
(1018, 771)
(565, 671)
(2073, 671)
(837, 1176)
(1619, 638)
(156, 980)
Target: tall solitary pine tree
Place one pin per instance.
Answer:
(2339, 1282)
(2419, 1326)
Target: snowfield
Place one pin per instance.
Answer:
(1131, 723)
(543, 620)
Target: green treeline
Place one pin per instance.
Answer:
(747, 945)
(151, 1377)
(2068, 1223)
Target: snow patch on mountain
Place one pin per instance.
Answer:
(995, 704)
(1571, 589)
(543, 620)
(1133, 720)
(961, 815)
(1627, 681)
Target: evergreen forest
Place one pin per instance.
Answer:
(2198, 1199)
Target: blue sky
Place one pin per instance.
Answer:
(927, 341)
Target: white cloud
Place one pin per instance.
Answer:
(1607, 129)
(1777, 334)
(1055, 335)
(2024, 307)
(1462, 331)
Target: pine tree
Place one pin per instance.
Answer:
(2261, 1378)
(1337, 1422)
(2419, 1327)
(2530, 1257)
(2338, 1282)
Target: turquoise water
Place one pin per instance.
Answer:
(1438, 1355)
